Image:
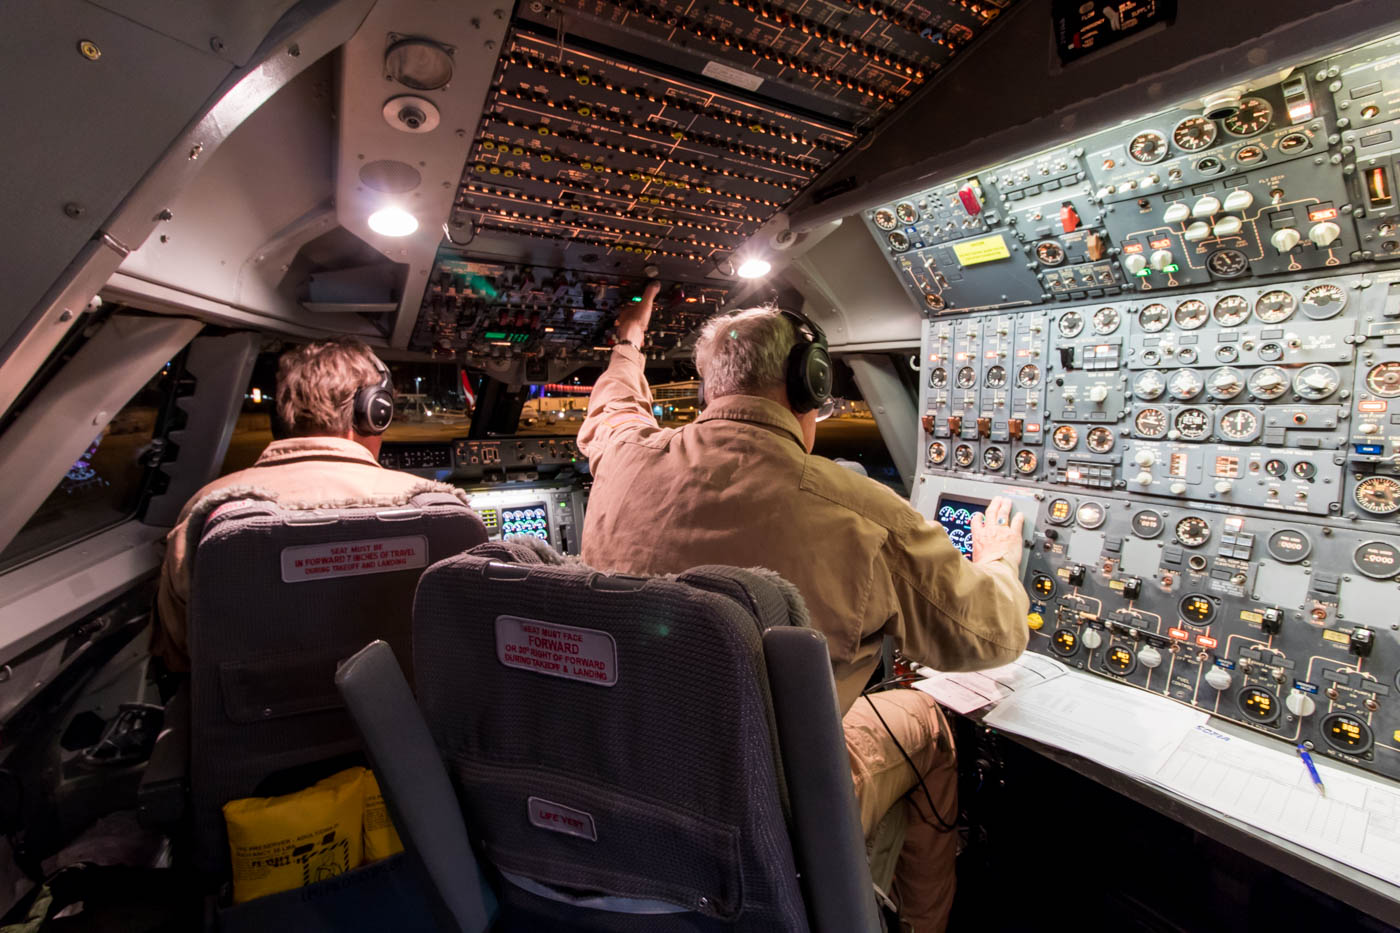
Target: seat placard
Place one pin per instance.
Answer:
(353, 558)
(555, 817)
(557, 650)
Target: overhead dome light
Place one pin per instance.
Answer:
(754, 268)
(393, 221)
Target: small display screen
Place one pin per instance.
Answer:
(955, 515)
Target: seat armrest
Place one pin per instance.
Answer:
(827, 840)
(162, 798)
(417, 790)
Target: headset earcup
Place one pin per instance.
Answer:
(374, 410)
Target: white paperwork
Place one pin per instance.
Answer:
(966, 692)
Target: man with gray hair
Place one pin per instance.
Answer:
(740, 487)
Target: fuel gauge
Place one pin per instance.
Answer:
(1316, 382)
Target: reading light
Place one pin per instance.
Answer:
(393, 221)
(754, 268)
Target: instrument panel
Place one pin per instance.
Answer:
(1176, 344)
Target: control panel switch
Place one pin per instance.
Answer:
(1143, 478)
(1091, 637)
(1197, 232)
(984, 427)
(1205, 206)
(927, 422)
(1239, 199)
(1285, 238)
(1324, 234)
(1362, 641)
(1176, 212)
(1223, 486)
(1219, 678)
(1228, 226)
(1149, 657)
(1178, 488)
(1036, 621)
(1300, 704)
(1015, 428)
(1132, 587)
(1074, 574)
(1144, 458)
(955, 424)
(1271, 620)
(1162, 258)
(1136, 262)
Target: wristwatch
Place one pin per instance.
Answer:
(626, 343)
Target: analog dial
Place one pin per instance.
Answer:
(962, 455)
(1194, 134)
(1238, 424)
(1231, 311)
(1154, 317)
(1379, 495)
(1148, 147)
(1106, 321)
(898, 242)
(1049, 253)
(1252, 117)
(1276, 468)
(1304, 469)
(1151, 422)
(1149, 385)
(1384, 380)
(1071, 323)
(967, 377)
(1090, 515)
(1192, 531)
(996, 376)
(1268, 382)
(1191, 314)
(1065, 437)
(1193, 423)
(1028, 375)
(1225, 383)
(993, 458)
(938, 378)
(937, 452)
(1316, 382)
(906, 212)
(1099, 440)
(1184, 384)
(884, 219)
(1227, 263)
(1025, 461)
(1323, 301)
(1275, 307)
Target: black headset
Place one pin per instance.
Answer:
(374, 404)
(808, 377)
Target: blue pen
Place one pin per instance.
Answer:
(1312, 771)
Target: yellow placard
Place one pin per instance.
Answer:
(986, 249)
(1248, 616)
(1340, 637)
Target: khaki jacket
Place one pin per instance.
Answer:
(738, 488)
(319, 470)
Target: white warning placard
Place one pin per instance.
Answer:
(558, 650)
(353, 558)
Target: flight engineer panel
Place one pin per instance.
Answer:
(1176, 344)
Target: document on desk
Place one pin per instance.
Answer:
(1131, 730)
(1357, 822)
(968, 691)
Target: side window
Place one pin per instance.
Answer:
(105, 485)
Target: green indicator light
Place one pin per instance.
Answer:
(636, 298)
(1142, 275)
(1171, 268)
(495, 335)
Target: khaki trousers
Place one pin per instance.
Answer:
(924, 878)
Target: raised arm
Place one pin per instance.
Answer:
(620, 405)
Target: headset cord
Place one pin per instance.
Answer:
(943, 826)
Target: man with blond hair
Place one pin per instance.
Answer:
(329, 457)
(740, 486)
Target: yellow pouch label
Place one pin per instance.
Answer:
(280, 843)
(988, 248)
(381, 838)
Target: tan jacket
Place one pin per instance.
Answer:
(299, 470)
(738, 488)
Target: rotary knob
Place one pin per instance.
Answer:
(1219, 678)
(1098, 394)
(1135, 262)
(1324, 234)
(1370, 427)
(1144, 458)
(1162, 258)
(1239, 199)
(1176, 213)
(1223, 486)
(1178, 488)
(1143, 478)
(1285, 238)
(1205, 207)
(1149, 656)
(1196, 232)
(1228, 226)
(1299, 703)
(1091, 638)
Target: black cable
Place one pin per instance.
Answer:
(944, 826)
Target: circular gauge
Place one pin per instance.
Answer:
(1268, 382)
(1271, 352)
(1193, 423)
(1238, 424)
(1196, 609)
(1384, 379)
(898, 242)
(1275, 307)
(1276, 468)
(1149, 384)
(1377, 559)
(993, 458)
(1106, 320)
(1292, 142)
(938, 378)
(1090, 515)
(1049, 253)
(937, 452)
(1154, 317)
(1151, 422)
(1028, 375)
(1043, 586)
(1186, 355)
(1194, 134)
(1148, 147)
(1192, 531)
(906, 212)
(1099, 440)
(1316, 382)
(1323, 301)
(1147, 524)
(1184, 384)
(962, 455)
(1304, 469)
(1065, 437)
(1379, 495)
(1191, 314)
(996, 376)
(1225, 383)
(1064, 642)
(1151, 357)
(1289, 546)
(884, 219)
(1258, 704)
(1227, 263)
(1231, 311)
(1026, 461)
(1059, 512)
(1249, 155)
(1070, 324)
(1119, 659)
(967, 377)
(1227, 353)
(1252, 117)
(1347, 733)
